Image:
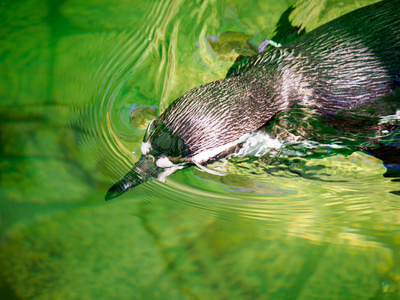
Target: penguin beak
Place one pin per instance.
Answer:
(144, 170)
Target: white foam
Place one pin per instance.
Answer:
(314, 145)
(209, 171)
(258, 144)
(208, 154)
(390, 118)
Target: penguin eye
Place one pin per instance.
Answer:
(160, 141)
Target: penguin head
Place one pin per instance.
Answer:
(205, 123)
(162, 144)
(162, 154)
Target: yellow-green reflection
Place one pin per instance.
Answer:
(69, 71)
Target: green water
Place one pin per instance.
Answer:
(69, 72)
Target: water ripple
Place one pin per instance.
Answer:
(156, 61)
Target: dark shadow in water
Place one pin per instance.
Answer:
(365, 121)
(285, 32)
(371, 127)
(6, 293)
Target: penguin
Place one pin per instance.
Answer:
(344, 63)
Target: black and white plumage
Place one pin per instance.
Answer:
(344, 63)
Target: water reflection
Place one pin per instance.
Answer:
(126, 78)
(273, 227)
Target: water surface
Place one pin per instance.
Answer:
(309, 221)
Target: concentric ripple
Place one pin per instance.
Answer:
(300, 172)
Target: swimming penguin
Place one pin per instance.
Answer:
(344, 63)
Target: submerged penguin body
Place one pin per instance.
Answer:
(342, 64)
